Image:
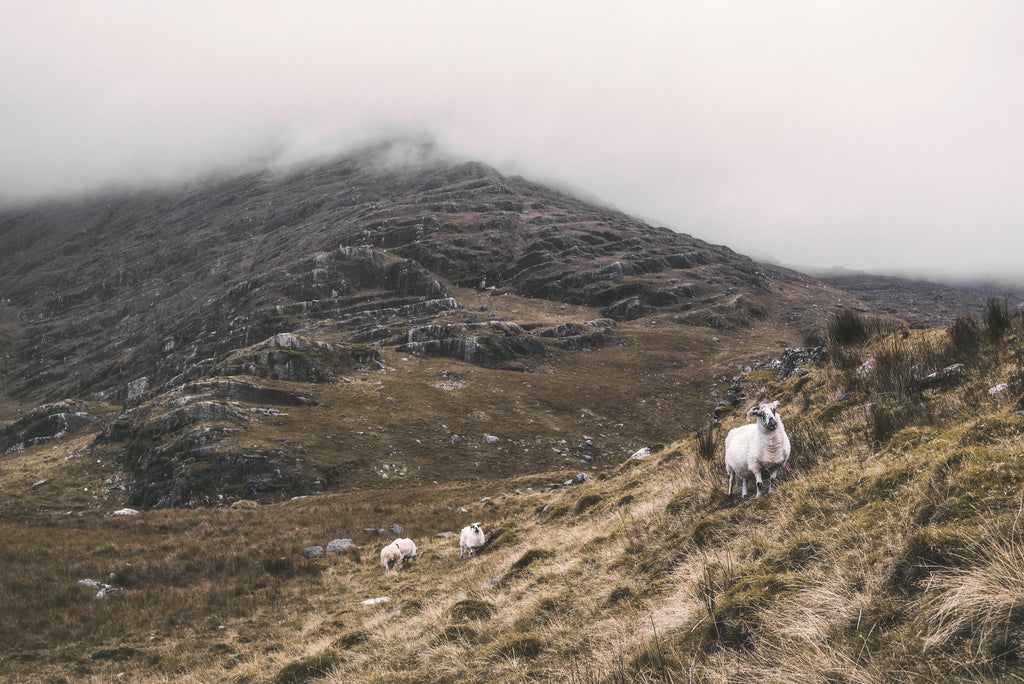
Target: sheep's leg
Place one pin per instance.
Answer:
(731, 476)
(744, 492)
(460, 550)
(757, 476)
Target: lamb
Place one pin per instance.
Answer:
(471, 539)
(761, 446)
(390, 557)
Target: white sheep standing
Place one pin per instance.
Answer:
(761, 446)
(471, 539)
(390, 557)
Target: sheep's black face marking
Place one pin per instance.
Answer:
(768, 416)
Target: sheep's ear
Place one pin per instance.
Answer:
(756, 411)
(774, 405)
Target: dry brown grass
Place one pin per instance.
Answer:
(895, 562)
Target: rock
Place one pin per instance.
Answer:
(942, 376)
(39, 483)
(375, 601)
(175, 458)
(866, 368)
(794, 358)
(339, 545)
(313, 551)
(245, 392)
(625, 310)
(104, 590)
(998, 389)
(136, 388)
(458, 439)
(291, 358)
(575, 336)
(490, 344)
(447, 535)
(491, 439)
(640, 454)
(44, 424)
(125, 512)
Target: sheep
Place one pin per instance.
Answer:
(761, 446)
(407, 547)
(471, 539)
(394, 555)
(390, 557)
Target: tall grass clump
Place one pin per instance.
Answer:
(965, 335)
(845, 330)
(997, 318)
(981, 606)
(898, 381)
(707, 439)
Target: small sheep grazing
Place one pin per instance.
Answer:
(759, 447)
(390, 557)
(471, 539)
(407, 547)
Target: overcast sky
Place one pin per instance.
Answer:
(884, 135)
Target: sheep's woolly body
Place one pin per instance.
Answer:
(759, 447)
(471, 539)
(390, 557)
(407, 547)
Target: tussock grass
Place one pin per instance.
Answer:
(891, 555)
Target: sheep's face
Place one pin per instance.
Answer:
(476, 528)
(767, 415)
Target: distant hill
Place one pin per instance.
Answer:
(923, 303)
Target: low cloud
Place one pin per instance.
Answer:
(868, 135)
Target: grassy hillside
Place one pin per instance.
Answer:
(890, 552)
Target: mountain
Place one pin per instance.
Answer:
(278, 334)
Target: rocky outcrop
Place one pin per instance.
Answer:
(624, 310)
(795, 359)
(245, 392)
(293, 358)
(192, 469)
(44, 424)
(176, 449)
(575, 336)
(493, 344)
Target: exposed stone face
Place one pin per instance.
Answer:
(625, 310)
(296, 359)
(794, 360)
(44, 424)
(573, 336)
(245, 392)
(492, 344)
(173, 453)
